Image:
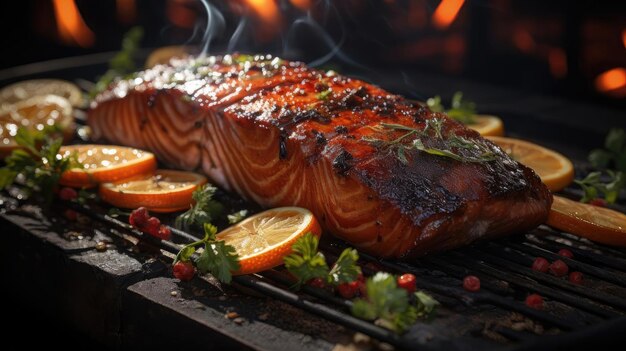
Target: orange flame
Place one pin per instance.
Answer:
(126, 10)
(267, 10)
(612, 79)
(624, 37)
(72, 29)
(446, 13)
(301, 4)
(558, 62)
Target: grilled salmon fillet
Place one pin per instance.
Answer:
(381, 172)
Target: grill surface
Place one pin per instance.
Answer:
(494, 318)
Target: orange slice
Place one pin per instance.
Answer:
(105, 163)
(555, 170)
(35, 114)
(592, 222)
(263, 240)
(487, 125)
(37, 87)
(163, 191)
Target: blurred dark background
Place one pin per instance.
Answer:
(571, 49)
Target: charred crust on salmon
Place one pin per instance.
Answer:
(280, 133)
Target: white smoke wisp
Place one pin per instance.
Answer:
(215, 26)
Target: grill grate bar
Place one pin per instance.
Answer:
(531, 285)
(554, 235)
(602, 297)
(607, 274)
(482, 296)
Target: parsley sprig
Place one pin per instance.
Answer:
(613, 155)
(216, 258)
(204, 210)
(451, 146)
(390, 306)
(37, 161)
(306, 263)
(462, 110)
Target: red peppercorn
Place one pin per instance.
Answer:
(70, 215)
(540, 265)
(348, 290)
(558, 268)
(576, 278)
(184, 270)
(164, 233)
(534, 301)
(139, 217)
(407, 282)
(151, 226)
(67, 194)
(317, 283)
(598, 202)
(471, 283)
(566, 253)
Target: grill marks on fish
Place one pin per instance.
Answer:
(272, 138)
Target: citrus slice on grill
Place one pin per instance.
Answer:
(37, 87)
(555, 170)
(104, 164)
(35, 114)
(487, 125)
(263, 240)
(592, 222)
(163, 191)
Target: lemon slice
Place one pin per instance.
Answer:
(555, 170)
(34, 114)
(163, 191)
(37, 87)
(105, 163)
(487, 125)
(263, 240)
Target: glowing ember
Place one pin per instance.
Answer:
(558, 62)
(301, 4)
(624, 37)
(72, 29)
(446, 13)
(612, 79)
(265, 9)
(126, 10)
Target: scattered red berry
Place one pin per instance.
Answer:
(471, 283)
(139, 217)
(407, 282)
(566, 253)
(576, 278)
(540, 265)
(558, 268)
(164, 233)
(317, 283)
(67, 194)
(151, 227)
(348, 290)
(362, 289)
(70, 215)
(534, 301)
(598, 202)
(184, 270)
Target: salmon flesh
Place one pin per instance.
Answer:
(383, 173)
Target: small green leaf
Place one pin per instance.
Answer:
(599, 158)
(218, 259)
(209, 232)
(324, 94)
(237, 216)
(426, 304)
(401, 156)
(7, 177)
(306, 262)
(345, 269)
(615, 140)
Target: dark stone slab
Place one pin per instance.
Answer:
(162, 312)
(72, 284)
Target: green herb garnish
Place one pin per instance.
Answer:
(386, 304)
(306, 263)
(216, 258)
(123, 63)
(323, 95)
(205, 210)
(451, 146)
(612, 156)
(462, 110)
(38, 161)
(237, 216)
